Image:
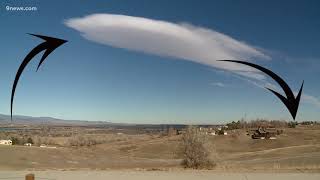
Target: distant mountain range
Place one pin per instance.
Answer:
(28, 120)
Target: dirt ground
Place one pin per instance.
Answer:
(155, 175)
(297, 150)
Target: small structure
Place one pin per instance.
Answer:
(181, 131)
(207, 131)
(28, 144)
(264, 134)
(43, 146)
(47, 147)
(6, 142)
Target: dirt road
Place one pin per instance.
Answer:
(156, 175)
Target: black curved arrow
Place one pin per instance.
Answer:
(291, 102)
(49, 45)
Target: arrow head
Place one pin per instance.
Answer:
(50, 45)
(53, 41)
(295, 103)
(290, 101)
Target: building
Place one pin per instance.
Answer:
(5, 142)
(207, 131)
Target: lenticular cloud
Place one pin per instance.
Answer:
(182, 41)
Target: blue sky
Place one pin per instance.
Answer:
(105, 76)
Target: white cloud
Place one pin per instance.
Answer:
(253, 75)
(272, 86)
(310, 99)
(182, 41)
(219, 84)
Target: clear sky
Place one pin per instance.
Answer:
(157, 63)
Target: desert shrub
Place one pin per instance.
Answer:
(82, 140)
(235, 125)
(37, 140)
(194, 150)
(29, 140)
(266, 123)
(3, 135)
(235, 136)
(279, 132)
(292, 124)
(308, 122)
(221, 132)
(42, 140)
(18, 140)
(15, 140)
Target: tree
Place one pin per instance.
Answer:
(29, 140)
(194, 149)
(15, 140)
(292, 124)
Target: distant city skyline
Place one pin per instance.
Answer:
(155, 62)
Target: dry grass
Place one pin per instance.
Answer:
(296, 149)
